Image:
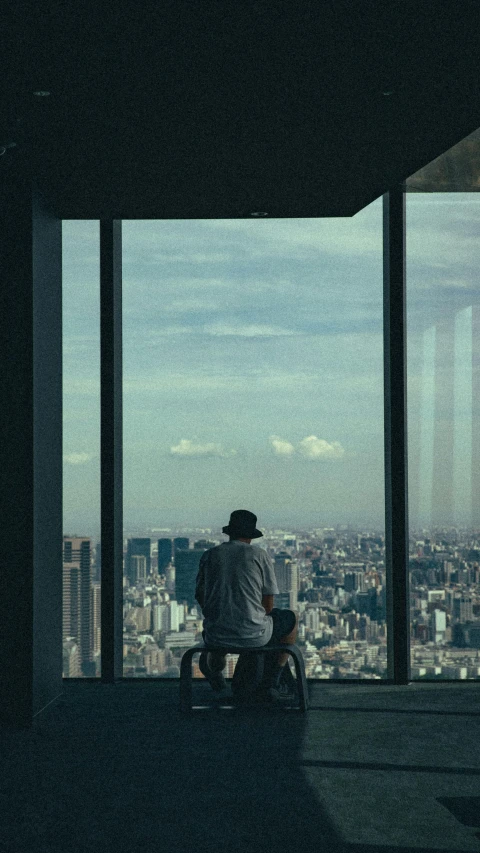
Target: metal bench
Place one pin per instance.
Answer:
(186, 669)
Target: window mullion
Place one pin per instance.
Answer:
(111, 447)
(395, 395)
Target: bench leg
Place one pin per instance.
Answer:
(186, 682)
(302, 686)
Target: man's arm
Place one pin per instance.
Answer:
(269, 581)
(267, 602)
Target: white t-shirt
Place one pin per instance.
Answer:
(231, 580)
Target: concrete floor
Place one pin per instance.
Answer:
(367, 768)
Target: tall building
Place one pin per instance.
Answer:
(282, 562)
(139, 547)
(354, 581)
(438, 625)
(463, 608)
(282, 601)
(161, 617)
(294, 585)
(77, 603)
(71, 660)
(286, 572)
(366, 602)
(186, 570)
(138, 568)
(170, 578)
(165, 554)
(96, 610)
(180, 543)
(177, 615)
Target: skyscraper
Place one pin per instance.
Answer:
(186, 570)
(438, 625)
(137, 548)
(463, 608)
(170, 578)
(96, 610)
(282, 562)
(77, 602)
(180, 543)
(286, 572)
(165, 554)
(354, 581)
(294, 584)
(138, 568)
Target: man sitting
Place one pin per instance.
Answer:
(235, 587)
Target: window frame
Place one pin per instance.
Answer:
(395, 445)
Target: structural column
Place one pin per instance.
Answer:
(475, 462)
(111, 448)
(396, 507)
(30, 450)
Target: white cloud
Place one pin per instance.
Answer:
(186, 447)
(312, 447)
(280, 446)
(77, 458)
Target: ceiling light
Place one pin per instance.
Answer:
(42, 94)
(387, 92)
(259, 213)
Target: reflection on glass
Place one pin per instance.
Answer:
(456, 170)
(253, 378)
(443, 297)
(81, 449)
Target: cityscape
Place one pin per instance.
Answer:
(334, 577)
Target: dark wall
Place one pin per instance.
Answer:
(30, 474)
(47, 468)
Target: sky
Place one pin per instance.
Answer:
(253, 365)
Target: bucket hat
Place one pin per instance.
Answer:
(242, 523)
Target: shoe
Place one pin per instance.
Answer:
(278, 695)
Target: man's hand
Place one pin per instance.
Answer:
(267, 603)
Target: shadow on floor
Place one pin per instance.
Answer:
(118, 769)
(465, 809)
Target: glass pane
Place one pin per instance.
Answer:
(81, 448)
(253, 377)
(443, 255)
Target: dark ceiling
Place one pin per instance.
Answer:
(176, 109)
